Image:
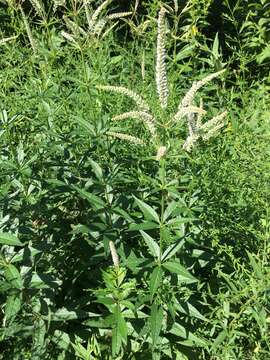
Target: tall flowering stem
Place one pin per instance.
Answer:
(161, 75)
(126, 137)
(189, 97)
(141, 104)
(157, 128)
(145, 117)
(28, 31)
(114, 254)
(98, 11)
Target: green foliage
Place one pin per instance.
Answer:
(106, 251)
(250, 33)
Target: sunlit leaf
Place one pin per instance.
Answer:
(12, 307)
(146, 225)
(172, 249)
(39, 346)
(85, 124)
(219, 339)
(93, 199)
(168, 211)
(187, 308)
(96, 168)
(61, 339)
(155, 280)
(64, 314)
(43, 281)
(156, 317)
(13, 276)
(148, 211)
(185, 333)
(175, 268)
(255, 266)
(119, 332)
(9, 239)
(152, 245)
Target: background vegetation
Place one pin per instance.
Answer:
(194, 287)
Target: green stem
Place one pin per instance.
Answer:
(162, 172)
(84, 65)
(175, 37)
(266, 237)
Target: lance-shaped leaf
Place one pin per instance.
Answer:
(152, 245)
(155, 280)
(172, 249)
(119, 332)
(9, 239)
(156, 317)
(175, 268)
(148, 211)
(13, 276)
(93, 199)
(190, 339)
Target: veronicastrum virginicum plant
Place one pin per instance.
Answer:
(95, 19)
(96, 23)
(163, 224)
